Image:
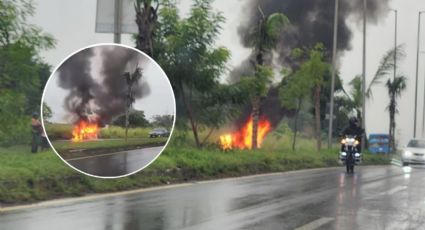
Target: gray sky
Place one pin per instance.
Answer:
(159, 101)
(74, 28)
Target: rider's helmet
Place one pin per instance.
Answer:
(35, 115)
(353, 121)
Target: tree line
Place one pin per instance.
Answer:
(185, 47)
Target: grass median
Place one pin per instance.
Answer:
(26, 177)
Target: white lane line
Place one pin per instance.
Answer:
(388, 192)
(396, 162)
(395, 189)
(316, 223)
(107, 154)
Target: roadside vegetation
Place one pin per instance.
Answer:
(26, 177)
(206, 107)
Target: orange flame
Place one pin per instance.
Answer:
(242, 139)
(84, 130)
(226, 142)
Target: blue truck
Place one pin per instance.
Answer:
(379, 143)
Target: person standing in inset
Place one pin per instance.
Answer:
(36, 130)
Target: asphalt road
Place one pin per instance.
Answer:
(384, 197)
(115, 164)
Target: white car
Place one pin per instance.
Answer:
(414, 152)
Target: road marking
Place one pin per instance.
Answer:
(396, 162)
(107, 154)
(316, 223)
(388, 192)
(394, 190)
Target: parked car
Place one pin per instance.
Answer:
(414, 152)
(159, 132)
(379, 143)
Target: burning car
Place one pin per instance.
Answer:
(85, 130)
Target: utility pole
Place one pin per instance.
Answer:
(423, 108)
(364, 75)
(117, 20)
(331, 107)
(395, 45)
(417, 74)
(392, 131)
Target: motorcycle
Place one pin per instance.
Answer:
(350, 156)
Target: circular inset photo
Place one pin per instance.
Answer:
(108, 110)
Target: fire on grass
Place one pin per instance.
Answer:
(242, 139)
(85, 130)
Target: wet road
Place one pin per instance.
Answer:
(384, 197)
(115, 164)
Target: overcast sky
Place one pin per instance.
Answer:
(74, 28)
(158, 101)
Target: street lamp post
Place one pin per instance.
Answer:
(117, 20)
(417, 73)
(331, 108)
(392, 143)
(395, 43)
(423, 109)
(363, 121)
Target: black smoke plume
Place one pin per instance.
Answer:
(311, 23)
(102, 97)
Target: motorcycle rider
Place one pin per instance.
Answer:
(353, 128)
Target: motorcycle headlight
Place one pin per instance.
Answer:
(343, 141)
(356, 142)
(357, 155)
(343, 154)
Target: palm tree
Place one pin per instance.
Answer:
(395, 88)
(352, 101)
(131, 80)
(386, 67)
(263, 38)
(316, 67)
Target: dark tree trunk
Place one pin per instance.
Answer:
(393, 128)
(190, 115)
(317, 117)
(256, 105)
(207, 136)
(297, 113)
(255, 119)
(146, 18)
(392, 122)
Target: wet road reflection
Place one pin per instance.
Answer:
(116, 164)
(372, 198)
